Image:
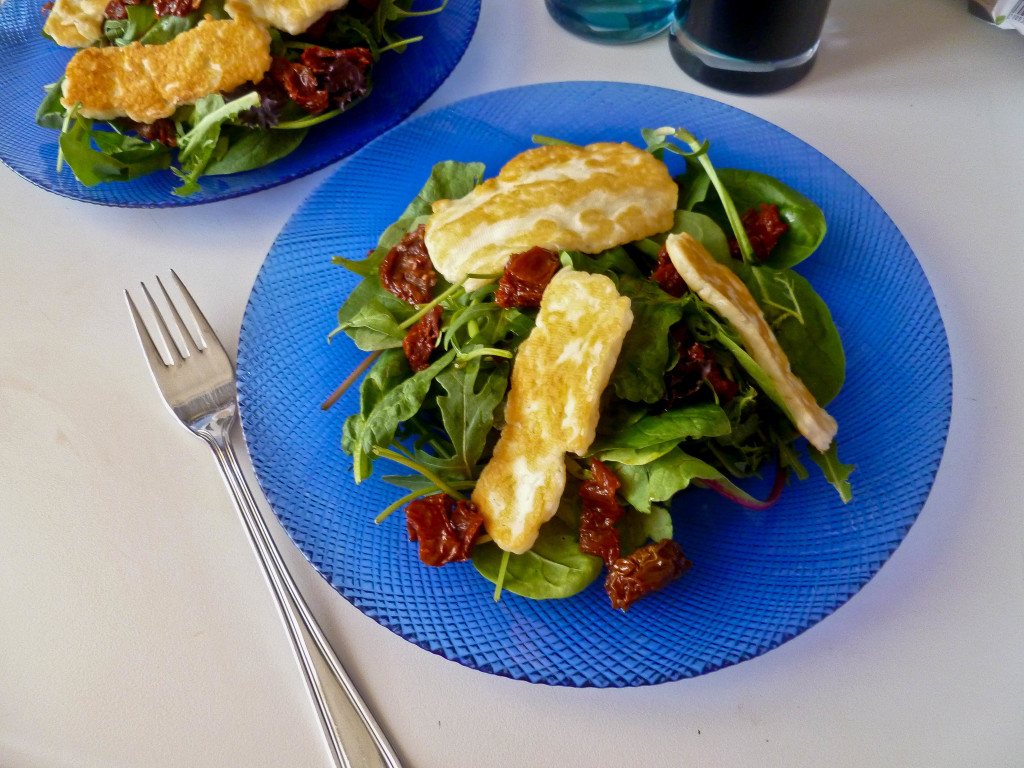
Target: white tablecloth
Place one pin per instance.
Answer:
(135, 629)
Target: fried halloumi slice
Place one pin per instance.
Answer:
(148, 82)
(584, 199)
(292, 16)
(553, 404)
(75, 23)
(725, 292)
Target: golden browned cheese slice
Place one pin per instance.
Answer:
(584, 199)
(75, 23)
(148, 82)
(722, 289)
(293, 16)
(553, 404)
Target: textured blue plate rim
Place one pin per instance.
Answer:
(523, 92)
(321, 134)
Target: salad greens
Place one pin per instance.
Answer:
(657, 435)
(224, 133)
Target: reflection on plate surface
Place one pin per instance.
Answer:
(759, 578)
(401, 83)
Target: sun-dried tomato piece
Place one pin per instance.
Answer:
(174, 7)
(47, 7)
(764, 228)
(115, 10)
(697, 364)
(445, 529)
(598, 534)
(526, 276)
(407, 272)
(162, 130)
(420, 339)
(300, 83)
(648, 569)
(667, 276)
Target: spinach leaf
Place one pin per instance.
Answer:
(636, 528)
(380, 423)
(120, 158)
(803, 326)
(692, 421)
(661, 479)
(837, 473)
(553, 568)
(468, 407)
(639, 374)
(371, 317)
(707, 233)
(251, 148)
(693, 186)
(749, 189)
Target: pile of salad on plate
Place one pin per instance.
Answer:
(556, 352)
(207, 87)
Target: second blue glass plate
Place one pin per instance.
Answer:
(401, 83)
(759, 578)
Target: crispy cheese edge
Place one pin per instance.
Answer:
(722, 289)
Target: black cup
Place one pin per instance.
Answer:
(747, 46)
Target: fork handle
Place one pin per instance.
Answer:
(353, 737)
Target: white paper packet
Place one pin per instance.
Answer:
(1008, 14)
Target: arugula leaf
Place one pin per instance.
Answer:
(639, 373)
(553, 568)
(468, 408)
(50, 113)
(692, 421)
(379, 423)
(197, 145)
(837, 473)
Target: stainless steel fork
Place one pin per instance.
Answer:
(198, 385)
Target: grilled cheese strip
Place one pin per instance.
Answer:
(292, 16)
(561, 197)
(553, 404)
(722, 289)
(75, 23)
(148, 82)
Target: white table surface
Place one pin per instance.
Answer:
(135, 628)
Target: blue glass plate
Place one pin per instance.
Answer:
(760, 578)
(401, 83)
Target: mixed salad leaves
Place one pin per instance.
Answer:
(668, 420)
(315, 77)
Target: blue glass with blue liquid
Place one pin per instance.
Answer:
(612, 21)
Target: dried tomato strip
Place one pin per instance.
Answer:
(667, 276)
(598, 534)
(421, 339)
(764, 228)
(526, 276)
(406, 271)
(648, 569)
(444, 528)
(697, 364)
